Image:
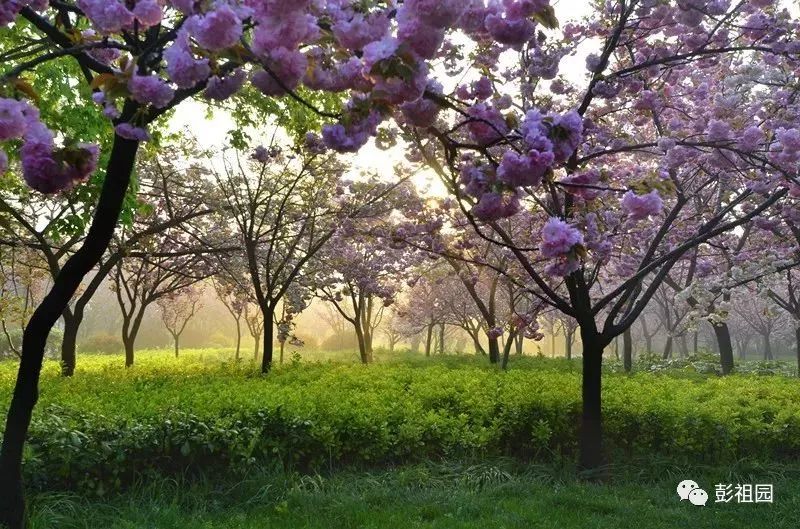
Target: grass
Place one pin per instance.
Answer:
(427, 400)
(493, 495)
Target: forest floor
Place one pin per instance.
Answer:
(441, 496)
(412, 442)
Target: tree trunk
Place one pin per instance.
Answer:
(627, 350)
(441, 338)
(266, 359)
(668, 347)
(553, 344)
(494, 350)
(568, 346)
(797, 346)
(176, 338)
(72, 325)
(723, 336)
(129, 352)
(767, 347)
(518, 343)
(591, 434)
(695, 340)
(429, 340)
(238, 339)
(476, 342)
(34, 339)
(507, 350)
(257, 346)
(684, 347)
(283, 346)
(368, 352)
(362, 345)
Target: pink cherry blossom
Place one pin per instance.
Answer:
(639, 207)
(559, 238)
(150, 89)
(223, 88)
(147, 12)
(217, 29)
(132, 132)
(108, 16)
(183, 69)
(524, 169)
(513, 32)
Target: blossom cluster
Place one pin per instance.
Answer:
(45, 168)
(546, 140)
(559, 242)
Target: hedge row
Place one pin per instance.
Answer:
(103, 427)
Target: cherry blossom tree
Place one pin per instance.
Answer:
(685, 130)
(140, 59)
(55, 225)
(23, 279)
(234, 298)
(360, 278)
(283, 206)
(177, 309)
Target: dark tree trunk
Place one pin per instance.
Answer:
(695, 341)
(176, 338)
(441, 338)
(723, 336)
(72, 324)
(266, 359)
(129, 352)
(668, 347)
(368, 351)
(797, 347)
(627, 350)
(568, 345)
(507, 350)
(684, 347)
(476, 342)
(363, 347)
(130, 330)
(26, 389)
(494, 350)
(591, 434)
(429, 340)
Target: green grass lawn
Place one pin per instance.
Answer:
(486, 496)
(340, 445)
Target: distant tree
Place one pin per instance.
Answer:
(234, 298)
(177, 309)
(282, 205)
(254, 318)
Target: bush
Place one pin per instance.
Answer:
(102, 343)
(52, 348)
(340, 341)
(107, 425)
